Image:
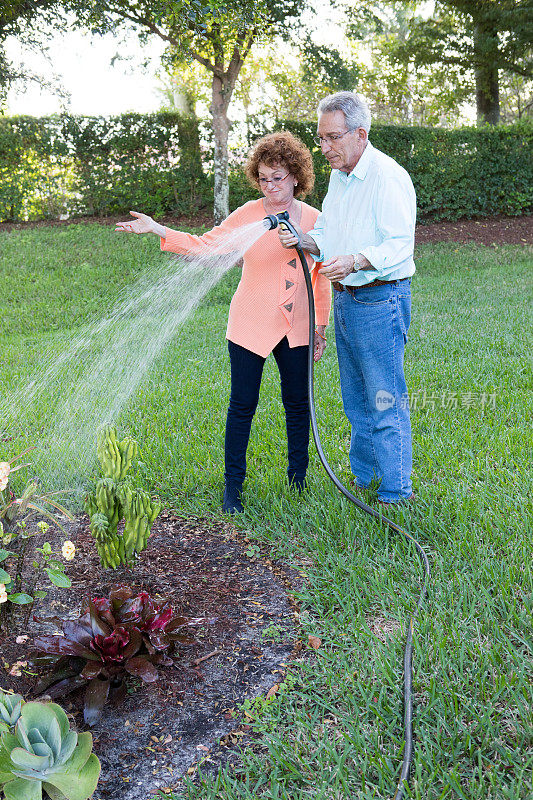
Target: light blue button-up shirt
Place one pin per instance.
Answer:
(370, 211)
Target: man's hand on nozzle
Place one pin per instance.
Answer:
(287, 238)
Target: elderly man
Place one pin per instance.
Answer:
(364, 238)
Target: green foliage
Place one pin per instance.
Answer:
(459, 173)
(14, 587)
(475, 33)
(274, 88)
(468, 172)
(10, 706)
(400, 91)
(476, 38)
(25, 21)
(114, 498)
(67, 165)
(216, 34)
(40, 752)
(15, 513)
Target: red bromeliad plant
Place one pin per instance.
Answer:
(118, 635)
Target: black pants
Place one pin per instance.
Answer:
(246, 373)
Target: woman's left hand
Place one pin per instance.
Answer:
(319, 347)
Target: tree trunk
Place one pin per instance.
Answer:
(221, 95)
(487, 78)
(487, 95)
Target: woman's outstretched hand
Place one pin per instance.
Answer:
(141, 224)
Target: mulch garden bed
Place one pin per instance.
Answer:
(488, 231)
(190, 716)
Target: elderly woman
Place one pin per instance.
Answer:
(269, 311)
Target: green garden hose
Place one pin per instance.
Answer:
(283, 220)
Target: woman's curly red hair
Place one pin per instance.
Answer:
(286, 150)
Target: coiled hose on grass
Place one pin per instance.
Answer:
(283, 220)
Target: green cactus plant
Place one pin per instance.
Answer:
(42, 753)
(114, 498)
(140, 512)
(115, 457)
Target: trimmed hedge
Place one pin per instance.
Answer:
(67, 166)
(468, 172)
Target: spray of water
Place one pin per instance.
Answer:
(94, 375)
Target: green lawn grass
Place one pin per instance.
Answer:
(335, 728)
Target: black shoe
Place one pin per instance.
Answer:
(231, 502)
(300, 484)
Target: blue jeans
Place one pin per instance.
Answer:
(246, 373)
(371, 332)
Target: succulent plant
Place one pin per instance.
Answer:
(114, 456)
(115, 498)
(10, 705)
(118, 635)
(43, 753)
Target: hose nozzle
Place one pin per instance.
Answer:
(270, 222)
(286, 225)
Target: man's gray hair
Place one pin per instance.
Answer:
(355, 109)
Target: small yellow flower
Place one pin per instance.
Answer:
(68, 551)
(3, 593)
(43, 526)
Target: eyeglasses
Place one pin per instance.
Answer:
(274, 181)
(334, 137)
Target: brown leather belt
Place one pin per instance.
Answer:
(339, 287)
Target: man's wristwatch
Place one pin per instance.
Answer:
(356, 265)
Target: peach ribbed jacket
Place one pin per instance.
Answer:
(271, 299)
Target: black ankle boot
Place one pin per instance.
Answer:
(297, 483)
(231, 502)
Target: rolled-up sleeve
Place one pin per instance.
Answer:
(395, 216)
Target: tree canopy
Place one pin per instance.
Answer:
(217, 34)
(20, 18)
(486, 37)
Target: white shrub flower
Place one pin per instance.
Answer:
(5, 469)
(68, 551)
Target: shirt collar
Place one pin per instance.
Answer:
(361, 168)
